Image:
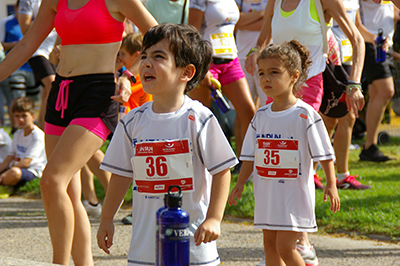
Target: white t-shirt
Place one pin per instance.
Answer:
(31, 7)
(297, 133)
(5, 144)
(210, 151)
(31, 146)
(220, 18)
(375, 16)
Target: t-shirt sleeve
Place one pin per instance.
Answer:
(215, 150)
(319, 143)
(117, 159)
(36, 149)
(249, 142)
(198, 4)
(25, 7)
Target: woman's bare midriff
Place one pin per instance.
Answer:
(82, 59)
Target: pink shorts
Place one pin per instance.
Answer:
(312, 93)
(227, 73)
(93, 124)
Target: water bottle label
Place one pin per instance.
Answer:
(171, 233)
(160, 164)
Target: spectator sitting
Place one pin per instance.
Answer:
(26, 159)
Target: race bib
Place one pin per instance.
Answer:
(160, 164)
(223, 43)
(277, 158)
(346, 51)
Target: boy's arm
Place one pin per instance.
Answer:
(24, 163)
(210, 229)
(245, 172)
(115, 193)
(5, 164)
(330, 189)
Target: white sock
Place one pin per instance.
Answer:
(307, 248)
(342, 176)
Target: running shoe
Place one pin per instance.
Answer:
(91, 210)
(373, 154)
(317, 182)
(261, 263)
(309, 256)
(350, 182)
(127, 219)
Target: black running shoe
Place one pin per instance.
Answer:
(373, 154)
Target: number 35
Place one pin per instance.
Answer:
(271, 157)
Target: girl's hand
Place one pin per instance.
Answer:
(105, 235)
(122, 90)
(251, 62)
(208, 231)
(332, 192)
(235, 193)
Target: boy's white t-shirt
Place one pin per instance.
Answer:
(282, 204)
(211, 153)
(31, 146)
(5, 144)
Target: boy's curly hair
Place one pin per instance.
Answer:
(187, 45)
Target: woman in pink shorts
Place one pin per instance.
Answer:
(216, 20)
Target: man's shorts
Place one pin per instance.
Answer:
(86, 96)
(41, 68)
(226, 71)
(376, 70)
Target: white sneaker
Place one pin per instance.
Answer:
(92, 210)
(309, 256)
(261, 263)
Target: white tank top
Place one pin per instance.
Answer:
(346, 50)
(376, 16)
(300, 26)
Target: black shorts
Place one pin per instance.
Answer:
(41, 68)
(88, 96)
(334, 100)
(376, 70)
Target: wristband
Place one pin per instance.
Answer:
(351, 86)
(130, 76)
(251, 51)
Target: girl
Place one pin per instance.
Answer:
(282, 140)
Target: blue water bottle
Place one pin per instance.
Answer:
(219, 99)
(160, 210)
(380, 54)
(174, 231)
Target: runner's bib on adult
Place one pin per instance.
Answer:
(277, 158)
(223, 43)
(160, 164)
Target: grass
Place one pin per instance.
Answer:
(372, 211)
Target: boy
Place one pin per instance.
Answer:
(172, 140)
(27, 158)
(128, 55)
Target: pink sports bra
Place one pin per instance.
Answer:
(90, 24)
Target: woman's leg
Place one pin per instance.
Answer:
(88, 190)
(286, 246)
(238, 93)
(66, 155)
(94, 166)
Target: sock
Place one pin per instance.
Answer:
(305, 248)
(342, 176)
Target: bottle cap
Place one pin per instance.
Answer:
(174, 199)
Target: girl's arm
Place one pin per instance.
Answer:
(41, 27)
(210, 229)
(263, 38)
(245, 172)
(330, 189)
(116, 191)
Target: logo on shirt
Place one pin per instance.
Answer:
(282, 144)
(191, 117)
(303, 116)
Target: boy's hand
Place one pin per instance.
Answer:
(332, 192)
(105, 235)
(122, 90)
(208, 231)
(235, 193)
